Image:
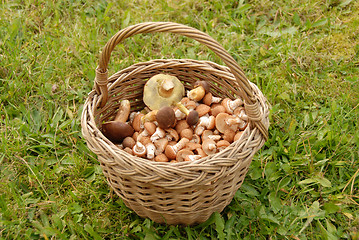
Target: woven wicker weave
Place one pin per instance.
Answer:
(173, 193)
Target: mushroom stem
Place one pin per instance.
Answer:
(149, 117)
(123, 112)
(166, 88)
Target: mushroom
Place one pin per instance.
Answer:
(209, 146)
(228, 135)
(222, 144)
(202, 109)
(118, 129)
(201, 88)
(171, 150)
(208, 134)
(158, 134)
(205, 122)
(192, 146)
(187, 133)
(234, 120)
(128, 142)
(139, 149)
(137, 122)
(238, 135)
(172, 134)
(222, 124)
(208, 99)
(181, 125)
(182, 154)
(161, 158)
(162, 90)
(217, 109)
(149, 117)
(160, 145)
(165, 117)
(189, 158)
(150, 127)
(230, 105)
(192, 116)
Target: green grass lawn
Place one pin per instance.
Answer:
(303, 55)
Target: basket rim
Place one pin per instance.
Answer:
(208, 160)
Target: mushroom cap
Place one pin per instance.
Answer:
(202, 109)
(165, 117)
(181, 125)
(181, 155)
(207, 99)
(221, 123)
(150, 127)
(128, 142)
(217, 109)
(152, 96)
(136, 123)
(187, 133)
(192, 117)
(170, 152)
(209, 146)
(161, 158)
(116, 131)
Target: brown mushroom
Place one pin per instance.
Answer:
(208, 134)
(165, 117)
(171, 151)
(158, 134)
(230, 105)
(238, 135)
(205, 123)
(202, 109)
(172, 135)
(221, 123)
(222, 144)
(187, 133)
(208, 99)
(161, 158)
(128, 142)
(209, 146)
(201, 88)
(162, 90)
(118, 129)
(190, 158)
(181, 125)
(217, 109)
(192, 146)
(160, 145)
(139, 149)
(192, 116)
(228, 135)
(137, 122)
(150, 127)
(180, 156)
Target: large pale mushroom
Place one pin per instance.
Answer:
(162, 90)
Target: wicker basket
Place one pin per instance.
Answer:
(173, 193)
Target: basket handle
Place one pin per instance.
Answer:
(246, 92)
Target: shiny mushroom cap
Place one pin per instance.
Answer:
(162, 90)
(117, 131)
(165, 117)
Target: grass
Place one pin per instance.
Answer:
(304, 56)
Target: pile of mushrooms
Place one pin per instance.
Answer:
(177, 128)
